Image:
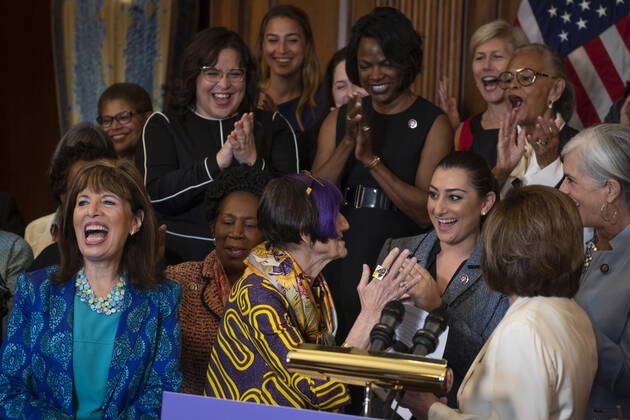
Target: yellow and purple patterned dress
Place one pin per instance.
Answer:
(271, 310)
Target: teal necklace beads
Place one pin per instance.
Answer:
(107, 305)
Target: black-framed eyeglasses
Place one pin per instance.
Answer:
(214, 75)
(524, 77)
(123, 118)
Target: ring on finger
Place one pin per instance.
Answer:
(379, 272)
(366, 128)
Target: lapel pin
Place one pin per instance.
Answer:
(604, 268)
(464, 278)
(412, 123)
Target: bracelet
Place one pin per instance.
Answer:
(373, 162)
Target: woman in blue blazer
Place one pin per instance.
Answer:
(97, 337)
(461, 193)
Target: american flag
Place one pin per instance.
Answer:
(593, 37)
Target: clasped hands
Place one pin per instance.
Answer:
(399, 278)
(240, 143)
(358, 130)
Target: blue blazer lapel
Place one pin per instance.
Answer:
(136, 310)
(467, 275)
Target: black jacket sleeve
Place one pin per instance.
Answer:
(173, 187)
(284, 157)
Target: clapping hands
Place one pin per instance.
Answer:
(240, 143)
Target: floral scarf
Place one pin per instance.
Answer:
(310, 299)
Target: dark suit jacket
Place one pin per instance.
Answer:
(473, 309)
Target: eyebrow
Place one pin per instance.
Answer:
(279, 35)
(449, 189)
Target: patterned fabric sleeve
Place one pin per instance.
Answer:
(257, 325)
(17, 399)
(164, 372)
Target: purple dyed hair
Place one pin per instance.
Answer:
(327, 198)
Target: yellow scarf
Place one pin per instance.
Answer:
(310, 299)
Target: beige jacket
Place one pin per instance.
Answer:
(539, 363)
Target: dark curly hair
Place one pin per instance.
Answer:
(132, 93)
(84, 141)
(237, 178)
(204, 50)
(398, 39)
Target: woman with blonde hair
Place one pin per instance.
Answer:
(491, 47)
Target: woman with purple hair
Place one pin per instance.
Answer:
(282, 299)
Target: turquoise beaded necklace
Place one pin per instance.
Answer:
(107, 305)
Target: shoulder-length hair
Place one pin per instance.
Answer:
(532, 244)
(310, 66)
(501, 29)
(139, 258)
(398, 39)
(296, 205)
(204, 50)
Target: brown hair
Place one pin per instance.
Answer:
(310, 66)
(120, 177)
(532, 244)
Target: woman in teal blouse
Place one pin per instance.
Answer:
(97, 337)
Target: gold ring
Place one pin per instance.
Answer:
(379, 272)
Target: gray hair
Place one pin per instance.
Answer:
(497, 29)
(605, 153)
(566, 103)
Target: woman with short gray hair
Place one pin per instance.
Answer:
(597, 178)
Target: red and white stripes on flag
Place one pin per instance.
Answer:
(597, 65)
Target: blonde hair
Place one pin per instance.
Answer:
(497, 29)
(310, 66)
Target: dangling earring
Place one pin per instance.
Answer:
(609, 213)
(550, 105)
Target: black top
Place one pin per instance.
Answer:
(484, 141)
(178, 160)
(398, 139)
(49, 256)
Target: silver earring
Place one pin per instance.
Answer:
(550, 105)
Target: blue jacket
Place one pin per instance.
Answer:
(36, 378)
(473, 309)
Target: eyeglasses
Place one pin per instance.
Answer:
(123, 118)
(525, 77)
(213, 75)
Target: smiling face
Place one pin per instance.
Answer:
(342, 87)
(533, 100)
(283, 46)
(455, 207)
(124, 136)
(489, 60)
(220, 99)
(236, 231)
(377, 74)
(102, 223)
(334, 248)
(586, 192)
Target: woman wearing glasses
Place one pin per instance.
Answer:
(211, 124)
(491, 47)
(541, 101)
(123, 108)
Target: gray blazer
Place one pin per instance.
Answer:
(474, 310)
(605, 296)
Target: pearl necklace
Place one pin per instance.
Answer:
(107, 305)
